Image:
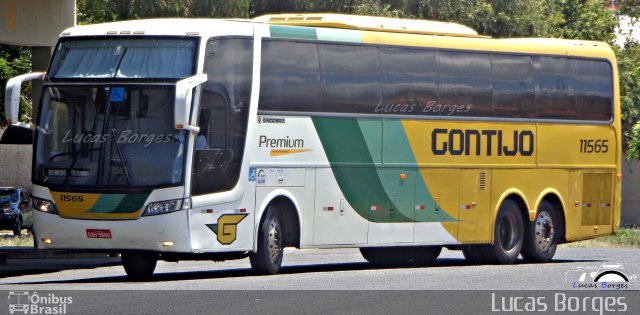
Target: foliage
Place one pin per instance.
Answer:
(14, 61)
(9, 240)
(586, 19)
(497, 18)
(97, 11)
(634, 146)
(629, 68)
(630, 8)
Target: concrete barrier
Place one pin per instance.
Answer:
(15, 164)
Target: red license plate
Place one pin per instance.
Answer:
(96, 233)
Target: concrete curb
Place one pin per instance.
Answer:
(34, 253)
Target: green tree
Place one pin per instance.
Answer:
(629, 69)
(586, 19)
(15, 60)
(223, 9)
(630, 8)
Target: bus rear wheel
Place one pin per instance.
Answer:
(139, 265)
(267, 258)
(508, 235)
(542, 235)
(474, 254)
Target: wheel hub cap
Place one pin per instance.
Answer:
(544, 231)
(275, 241)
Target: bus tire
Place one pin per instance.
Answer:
(473, 254)
(267, 258)
(393, 256)
(139, 266)
(374, 255)
(426, 255)
(542, 235)
(507, 237)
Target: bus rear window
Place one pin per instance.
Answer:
(140, 58)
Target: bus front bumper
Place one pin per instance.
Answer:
(163, 233)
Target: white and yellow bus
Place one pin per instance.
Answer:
(174, 139)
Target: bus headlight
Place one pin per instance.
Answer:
(167, 206)
(44, 205)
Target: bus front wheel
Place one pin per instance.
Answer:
(542, 235)
(267, 258)
(139, 265)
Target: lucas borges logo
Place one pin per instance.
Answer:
(606, 276)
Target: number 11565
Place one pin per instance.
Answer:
(594, 146)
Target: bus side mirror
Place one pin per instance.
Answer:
(12, 95)
(184, 95)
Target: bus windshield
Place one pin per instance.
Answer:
(119, 137)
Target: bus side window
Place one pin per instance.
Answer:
(223, 114)
(555, 87)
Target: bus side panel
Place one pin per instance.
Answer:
(576, 145)
(308, 211)
(221, 227)
(335, 221)
(589, 206)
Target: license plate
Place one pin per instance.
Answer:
(96, 233)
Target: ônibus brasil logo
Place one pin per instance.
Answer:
(23, 302)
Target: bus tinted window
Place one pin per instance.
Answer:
(594, 89)
(389, 80)
(513, 86)
(555, 91)
(290, 77)
(410, 83)
(351, 80)
(465, 83)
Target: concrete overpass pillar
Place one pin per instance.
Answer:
(40, 57)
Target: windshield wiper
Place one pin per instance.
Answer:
(125, 168)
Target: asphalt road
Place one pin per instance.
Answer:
(335, 269)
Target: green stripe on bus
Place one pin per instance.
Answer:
(119, 203)
(354, 149)
(398, 150)
(294, 32)
(332, 34)
(106, 203)
(131, 203)
(352, 166)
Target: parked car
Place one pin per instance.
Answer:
(15, 210)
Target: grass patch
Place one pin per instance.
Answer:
(626, 238)
(26, 239)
